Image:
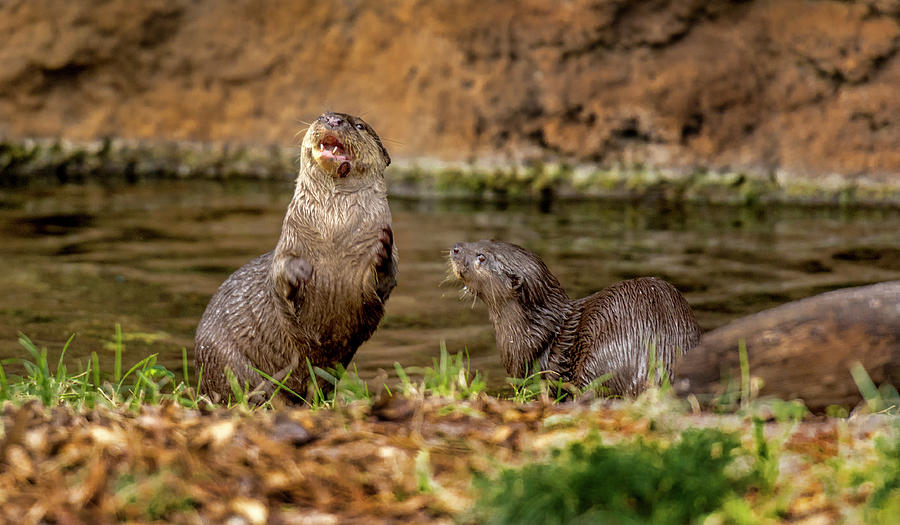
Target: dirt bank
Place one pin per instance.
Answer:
(782, 87)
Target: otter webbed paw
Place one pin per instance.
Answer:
(297, 272)
(386, 272)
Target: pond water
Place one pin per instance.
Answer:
(81, 258)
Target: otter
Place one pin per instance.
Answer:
(321, 292)
(578, 341)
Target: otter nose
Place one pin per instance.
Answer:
(331, 120)
(456, 248)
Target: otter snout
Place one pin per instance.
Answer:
(332, 120)
(468, 260)
(332, 144)
(458, 261)
(343, 145)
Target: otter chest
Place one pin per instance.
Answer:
(341, 249)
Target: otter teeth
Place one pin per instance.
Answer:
(332, 148)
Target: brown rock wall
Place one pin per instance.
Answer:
(805, 87)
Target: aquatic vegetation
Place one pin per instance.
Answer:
(64, 160)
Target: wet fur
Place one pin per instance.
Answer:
(576, 340)
(321, 292)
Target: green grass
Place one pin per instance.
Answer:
(535, 385)
(884, 504)
(346, 385)
(144, 382)
(450, 376)
(883, 400)
(633, 482)
(343, 387)
(147, 382)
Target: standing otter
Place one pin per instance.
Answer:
(609, 332)
(321, 292)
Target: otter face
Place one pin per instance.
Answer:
(500, 271)
(343, 145)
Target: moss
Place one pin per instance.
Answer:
(13, 154)
(22, 160)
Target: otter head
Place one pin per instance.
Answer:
(501, 272)
(344, 146)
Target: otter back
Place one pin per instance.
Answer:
(622, 328)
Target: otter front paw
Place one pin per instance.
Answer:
(385, 269)
(297, 272)
(384, 248)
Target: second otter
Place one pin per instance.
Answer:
(609, 332)
(321, 292)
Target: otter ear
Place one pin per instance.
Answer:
(515, 282)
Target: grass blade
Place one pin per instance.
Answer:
(117, 371)
(318, 396)
(866, 387)
(131, 370)
(4, 385)
(60, 367)
(184, 365)
(745, 374)
(95, 359)
(280, 385)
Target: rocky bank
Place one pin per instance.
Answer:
(773, 88)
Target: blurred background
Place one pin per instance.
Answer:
(782, 85)
(798, 94)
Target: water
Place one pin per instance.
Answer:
(81, 258)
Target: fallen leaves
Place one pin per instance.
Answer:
(400, 460)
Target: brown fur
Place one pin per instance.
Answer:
(321, 292)
(609, 332)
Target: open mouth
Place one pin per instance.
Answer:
(332, 148)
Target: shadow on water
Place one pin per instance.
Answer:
(80, 258)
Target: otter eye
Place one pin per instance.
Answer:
(480, 258)
(360, 126)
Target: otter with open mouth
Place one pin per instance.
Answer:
(321, 292)
(332, 152)
(610, 333)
